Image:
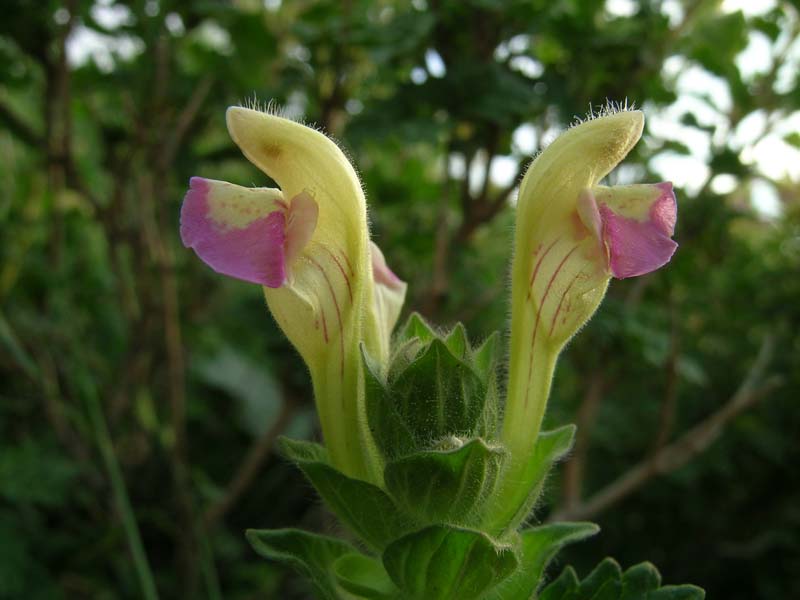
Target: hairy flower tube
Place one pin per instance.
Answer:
(307, 244)
(572, 235)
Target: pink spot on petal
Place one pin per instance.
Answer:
(254, 253)
(381, 271)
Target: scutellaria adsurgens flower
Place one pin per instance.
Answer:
(308, 245)
(572, 236)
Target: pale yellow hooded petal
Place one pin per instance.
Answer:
(559, 276)
(330, 288)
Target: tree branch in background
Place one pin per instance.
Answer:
(675, 455)
(576, 466)
(491, 153)
(153, 193)
(441, 245)
(185, 120)
(250, 467)
(478, 304)
(18, 127)
(669, 404)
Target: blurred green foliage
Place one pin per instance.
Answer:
(107, 109)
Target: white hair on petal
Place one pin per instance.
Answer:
(610, 107)
(274, 109)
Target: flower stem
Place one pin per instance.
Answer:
(340, 405)
(528, 389)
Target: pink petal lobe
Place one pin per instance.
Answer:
(381, 271)
(634, 248)
(253, 253)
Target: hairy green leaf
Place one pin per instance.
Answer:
(678, 592)
(456, 341)
(639, 580)
(416, 327)
(361, 506)
(448, 563)
(364, 576)
(309, 554)
(391, 433)
(538, 547)
(564, 587)
(607, 582)
(605, 577)
(438, 395)
(445, 485)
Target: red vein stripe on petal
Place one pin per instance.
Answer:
(539, 317)
(539, 264)
(342, 271)
(338, 313)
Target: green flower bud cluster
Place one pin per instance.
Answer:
(433, 416)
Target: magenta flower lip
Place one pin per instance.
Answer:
(253, 253)
(637, 247)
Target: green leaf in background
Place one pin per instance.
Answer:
(23, 566)
(550, 447)
(538, 547)
(361, 506)
(447, 485)
(717, 39)
(35, 474)
(792, 139)
(307, 553)
(364, 576)
(447, 563)
(248, 382)
(9, 340)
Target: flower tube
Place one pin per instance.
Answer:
(572, 235)
(308, 244)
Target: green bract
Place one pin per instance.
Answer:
(434, 528)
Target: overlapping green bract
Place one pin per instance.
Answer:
(435, 529)
(437, 393)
